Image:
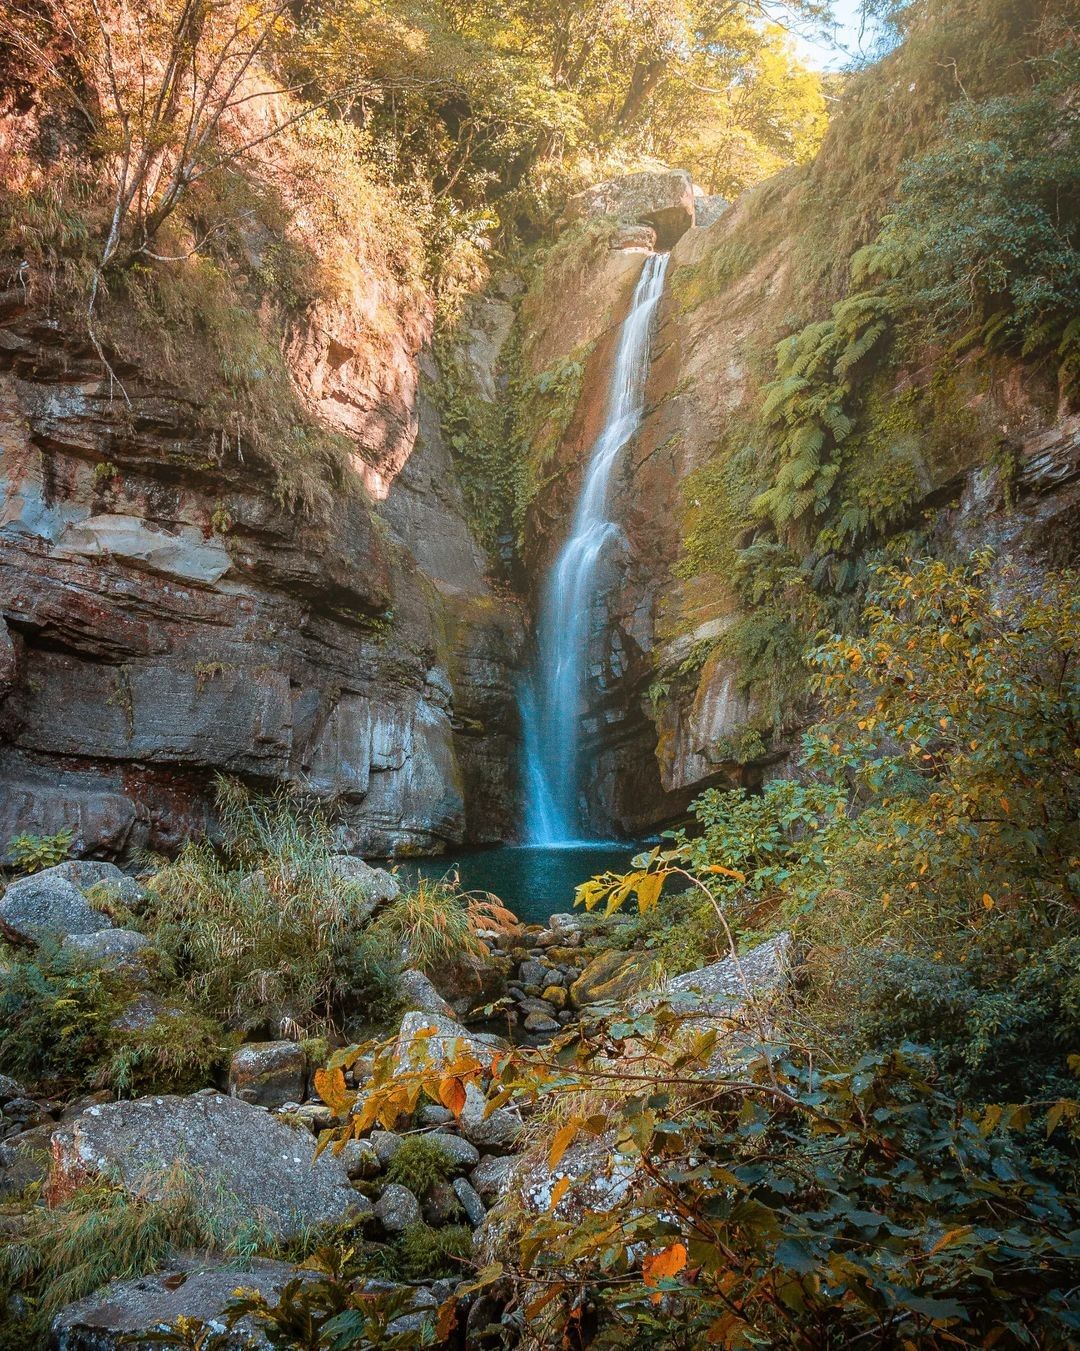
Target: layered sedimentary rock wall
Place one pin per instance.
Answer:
(165, 619)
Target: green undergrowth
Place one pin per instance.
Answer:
(903, 1149)
(65, 1027)
(63, 1253)
(914, 288)
(419, 1164)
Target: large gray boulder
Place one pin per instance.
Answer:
(662, 198)
(244, 1167)
(723, 989)
(708, 210)
(376, 884)
(108, 950)
(416, 992)
(126, 1312)
(104, 879)
(47, 907)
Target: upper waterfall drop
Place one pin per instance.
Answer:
(553, 705)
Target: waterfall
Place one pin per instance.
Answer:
(553, 704)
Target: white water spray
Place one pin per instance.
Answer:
(552, 707)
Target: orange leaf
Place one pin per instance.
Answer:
(447, 1319)
(726, 872)
(540, 1303)
(452, 1095)
(558, 1192)
(668, 1262)
(563, 1136)
(330, 1086)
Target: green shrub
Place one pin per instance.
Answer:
(1001, 1025)
(262, 929)
(793, 1203)
(177, 1052)
(418, 1164)
(433, 1254)
(33, 853)
(55, 1021)
(58, 1025)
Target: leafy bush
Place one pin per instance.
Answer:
(1001, 1025)
(418, 1164)
(262, 929)
(34, 853)
(322, 1311)
(800, 1206)
(58, 1024)
(177, 1052)
(987, 222)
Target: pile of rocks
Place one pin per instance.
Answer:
(565, 968)
(545, 972)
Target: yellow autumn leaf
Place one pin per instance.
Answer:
(648, 890)
(726, 872)
(330, 1086)
(988, 901)
(558, 1192)
(561, 1143)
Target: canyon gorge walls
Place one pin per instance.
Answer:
(291, 534)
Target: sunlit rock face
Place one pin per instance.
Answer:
(165, 620)
(666, 706)
(663, 199)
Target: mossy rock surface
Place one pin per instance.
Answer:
(611, 975)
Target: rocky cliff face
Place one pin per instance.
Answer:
(165, 619)
(1005, 472)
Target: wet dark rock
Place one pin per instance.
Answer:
(470, 1202)
(531, 975)
(269, 1073)
(441, 1205)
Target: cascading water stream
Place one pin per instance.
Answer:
(553, 704)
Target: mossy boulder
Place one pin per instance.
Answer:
(611, 975)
